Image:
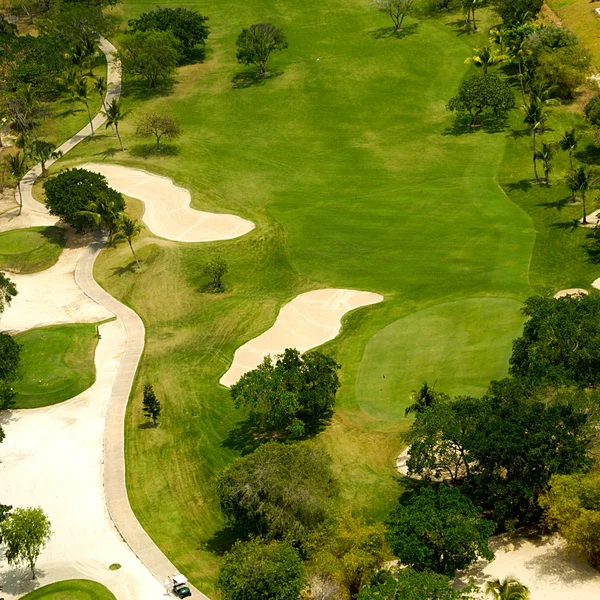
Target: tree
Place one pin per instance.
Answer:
(507, 589)
(83, 94)
(159, 126)
(255, 44)
(485, 57)
(280, 491)
(581, 180)
(516, 12)
(151, 55)
(566, 68)
(482, 94)
(7, 291)
(186, 24)
(535, 116)
(397, 10)
(43, 152)
(592, 110)
(348, 552)
(546, 154)
(69, 194)
(127, 230)
(70, 80)
(25, 533)
(216, 267)
(10, 358)
(572, 505)
(16, 165)
(258, 570)
(6, 27)
(439, 530)
(568, 143)
(114, 114)
(422, 399)
(106, 212)
(289, 394)
(101, 87)
(410, 584)
(151, 405)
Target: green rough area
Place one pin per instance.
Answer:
(452, 344)
(351, 170)
(57, 363)
(30, 250)
(72, 589)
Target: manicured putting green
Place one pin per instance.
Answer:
(30, 250)
(455, 344)
(73, 589)
(57, 363)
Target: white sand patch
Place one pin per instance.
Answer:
(309, 320)
(543, 565)
(592, 219)
(168, 213)
(53, 457)
(571, 292)
(596, 283)
(51, 297)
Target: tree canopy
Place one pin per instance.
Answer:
(259, 570)
(256, 44)
(440, 530)
(72, 193)
(290, 395)
(279, 491)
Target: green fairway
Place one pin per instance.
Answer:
(30, 250)
(57, 363)
(351, 172)
(72, 589)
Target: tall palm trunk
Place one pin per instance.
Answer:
(137, 262)
(535, 155)
(521, 81)
(474, 24)
(87, 105)
(119, 136)
(20, 196)
(573, 198)
(104, 108)
(584, 221)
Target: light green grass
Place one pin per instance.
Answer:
(348, 169)
(57, 363)
(73, 589)
(30, 250)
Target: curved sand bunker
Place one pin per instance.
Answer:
(309, 320)
(572, 292)
(168, 213)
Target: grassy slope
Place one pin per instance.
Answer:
(72, 589)
(30, 250)
(57, 363)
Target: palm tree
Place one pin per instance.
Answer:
(105, 213)
(485, 57)
(78, 58)
(546, 154)
(128, 229)
(89, 50)
(83, 94)
(518, 50)
(507, 589)
(17, 167)
(568, 143)
(534, 117)
(498, 36)
(114, 113)
(70, 81)
(581, 180)
(422, 399)
(44, 151)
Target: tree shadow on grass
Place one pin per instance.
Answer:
(589, 155)
(130, 268)
(223, 540)
(390, 32)
(460, 26)
(108, 153)
(572, 225)
(139, 89)
(147, 425)
(524, 185)
(558, 204)
(150, 150)
(248, 79)
(462, 125)
(516, 134)
(244, 438)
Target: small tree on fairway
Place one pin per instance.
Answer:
(581, 180)
(395, 9)
(546, 154)
(44, 151)
(25, 533)
(507, 589)
(159, 126)
(114, 114)
(216, 267)
(17, 167)
(128, 229)
(255, 44)
(151, 405)
(485, 57)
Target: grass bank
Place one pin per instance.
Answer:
(72, 589)
(30, 250)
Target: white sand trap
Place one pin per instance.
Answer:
(53, 457)
(309, 320)
(51, 297)
(168, 213)
(543, 565)
(572, 292)
(596, 283)
(592, 219)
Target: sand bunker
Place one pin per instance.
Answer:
(53, 457)
(309, 320)
(168, 213)
(592, 219)
(51, 297)
(572, 292)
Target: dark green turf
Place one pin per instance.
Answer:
(72, 589)
(30, 250)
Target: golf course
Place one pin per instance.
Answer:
(342, 169)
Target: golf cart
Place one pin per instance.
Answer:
(180, 588)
